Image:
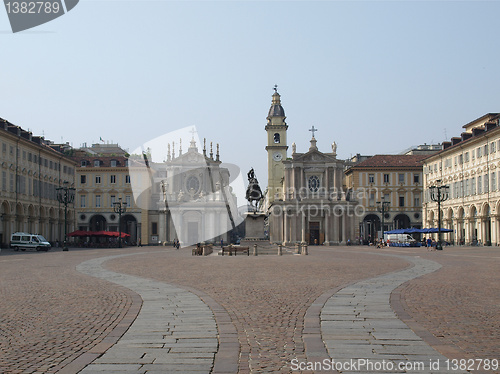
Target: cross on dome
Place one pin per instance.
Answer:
(313, 130)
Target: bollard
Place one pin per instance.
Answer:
(255, 249)
(304, 249)
(297, 248)
(280, 250)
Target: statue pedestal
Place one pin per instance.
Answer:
(254, 226)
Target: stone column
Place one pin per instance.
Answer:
(327, 228)
(336, 231)
(303, 227)
(162, 226)
(494, 233)
(344, 221)
(285, 227)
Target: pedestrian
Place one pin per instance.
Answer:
(221, 243)
(429, 244)
(139, 244)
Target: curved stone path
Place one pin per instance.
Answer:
(359, 327)
(175, 330)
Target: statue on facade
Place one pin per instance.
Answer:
(254, 193)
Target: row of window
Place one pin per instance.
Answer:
(401, 199)
(28, 186)
(98, 201)
(98, 163)
(31, 157)
(98, 179)
(401, 178)
(473, 186)
(465, 157)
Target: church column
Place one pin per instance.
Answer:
(285, 226)
(344, 222)
(336, 231)
(327, 227)
(303, 227)
(162, 226)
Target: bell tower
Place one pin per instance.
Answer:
(276, 148)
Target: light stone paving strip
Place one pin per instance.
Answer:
(357, 323)
(175, 330)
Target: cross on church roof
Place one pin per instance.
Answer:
(193, 131)
(313, 130)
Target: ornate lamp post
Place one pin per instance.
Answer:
(120, 207)
(439, 194)
(65, 195)
(383, 207)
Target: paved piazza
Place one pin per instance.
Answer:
(160, 310)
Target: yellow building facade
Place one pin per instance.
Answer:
(468, 165)
(102, 179)
(394, 179)
(31, 169)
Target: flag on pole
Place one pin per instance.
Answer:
(102, 140)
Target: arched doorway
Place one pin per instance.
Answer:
(128, 225)
(473, 225)
(97, 223)
(402, 221)
(370, 228)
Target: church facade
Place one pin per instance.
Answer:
(186, 198)
(305, 200)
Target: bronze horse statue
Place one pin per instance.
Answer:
(254, 193)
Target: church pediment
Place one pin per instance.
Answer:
(314, 156)
(190, 158)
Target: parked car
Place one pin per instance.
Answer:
(22, 241)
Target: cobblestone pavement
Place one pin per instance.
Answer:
(50, 314)
(265, 296)
(358, 323)
(459, 305)
(53, 318)
(174, 331)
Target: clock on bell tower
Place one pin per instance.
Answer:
(276, 148)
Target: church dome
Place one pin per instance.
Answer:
(276, 109)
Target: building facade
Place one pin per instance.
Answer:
(191, 200)
(468, 165)
(32, 168)
(102, 179)
(393, 179)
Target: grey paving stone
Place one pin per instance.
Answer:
(372, 321)
(175, 330)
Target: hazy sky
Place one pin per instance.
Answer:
(376, 77)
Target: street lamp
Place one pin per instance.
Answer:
(164, 188)
(120, 208)
(383, 207)
(439, 194)
(65, 195)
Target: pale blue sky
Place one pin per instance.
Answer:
(376, 77)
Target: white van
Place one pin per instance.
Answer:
(22, 241)
(399, 238)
